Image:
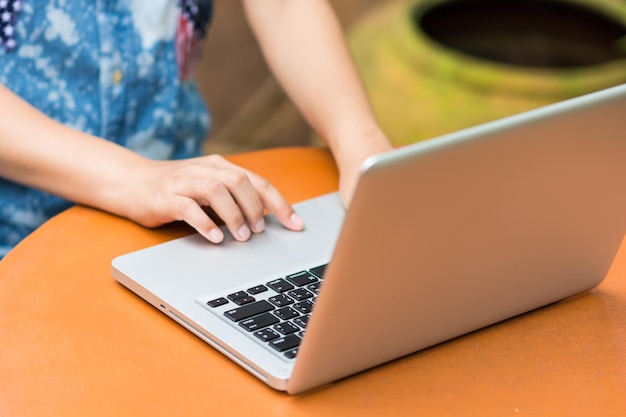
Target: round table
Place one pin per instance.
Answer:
(74, 342)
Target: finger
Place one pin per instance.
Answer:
(187, 210)
(205, 187)
(218, 196)
(274, 201)
(246, 196)
(239, 186)
(189, 197)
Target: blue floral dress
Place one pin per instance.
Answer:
(118, 69)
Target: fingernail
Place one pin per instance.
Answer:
(244, 232)
(215, 235)
(297, 221)
(259, 226)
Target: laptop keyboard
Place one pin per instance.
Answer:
(276, 312)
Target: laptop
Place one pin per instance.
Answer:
(443, 237)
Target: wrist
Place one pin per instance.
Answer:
(352, 148)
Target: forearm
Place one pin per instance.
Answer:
(303, 44)
(42, 153)
(39, 152)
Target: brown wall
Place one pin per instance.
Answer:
(248, 109)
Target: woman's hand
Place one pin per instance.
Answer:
(42, 153)
(165, 191)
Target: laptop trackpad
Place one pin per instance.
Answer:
(194, 264)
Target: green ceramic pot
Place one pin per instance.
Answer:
(421, 88)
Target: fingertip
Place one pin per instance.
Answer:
(215, 235)
(296, 222)
(243, 233)
(259, 226)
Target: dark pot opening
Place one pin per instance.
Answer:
(533, 33)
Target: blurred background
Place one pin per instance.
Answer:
(430, 66)
(248, 108)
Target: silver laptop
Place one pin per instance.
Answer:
(442, 238)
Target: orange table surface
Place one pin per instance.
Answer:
(74, 342)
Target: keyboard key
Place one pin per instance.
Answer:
(301, 278)
(244, 300)
(300, 294)
(217, 302)
(286, 328)
(257, 290)
(315, 287)
(280, 319)
(291, 354)
(236, 295)
(266, 335)
(280, 285)
(302, 321)
(249, 310)
(286, 313)
(280, 300)
(285, 343)
(258, 322)
(304, 307)
(319, 270)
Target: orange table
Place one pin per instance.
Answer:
(73, 342)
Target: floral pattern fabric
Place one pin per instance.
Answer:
(118, 69)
